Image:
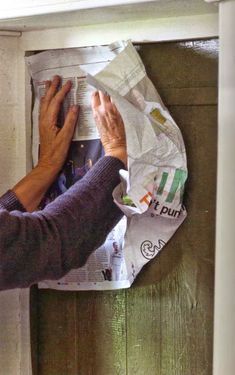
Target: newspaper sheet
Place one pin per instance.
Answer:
(151, 192)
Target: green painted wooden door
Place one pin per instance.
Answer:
(163, 324)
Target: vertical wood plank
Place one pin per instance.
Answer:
(143, 331)
(101, 323)
(34, 331)
(57, 335)
(80, 333)
(174, 325)
(163, 324)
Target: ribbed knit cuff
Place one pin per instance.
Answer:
(10, 202)
(106, 168)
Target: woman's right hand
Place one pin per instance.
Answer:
(110, 126)
(55, 142)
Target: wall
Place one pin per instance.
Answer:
(163, 324)
(9, 301)
(8, 110)
(224, 328)
(14, 335)
(13, 304)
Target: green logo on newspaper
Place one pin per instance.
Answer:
(177, 184)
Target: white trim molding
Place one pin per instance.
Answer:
(224, 323)
(151, 30)
(24, 8)
(147, 30)
(213, 1)
(10, 33)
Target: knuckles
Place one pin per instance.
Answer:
(105, 113)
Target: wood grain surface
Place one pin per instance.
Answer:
(162, 325)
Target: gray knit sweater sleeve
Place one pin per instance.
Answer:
(48, 243)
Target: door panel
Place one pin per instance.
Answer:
(163, 324)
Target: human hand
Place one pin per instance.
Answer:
(110, 126)
(54, 142)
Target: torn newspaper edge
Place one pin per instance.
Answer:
(151, 192)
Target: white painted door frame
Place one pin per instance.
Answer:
(168, 29)
(224, 313)
(154, 30)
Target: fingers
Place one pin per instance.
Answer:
(58, 99)
(114, 108)
(52, 93)
(70, 122)
(104, 99)
(99, 98)
(47, 86)
(51, 89)
(95, 100)
(103, 107)
(43, 104)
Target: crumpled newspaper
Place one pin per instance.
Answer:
(151, 192)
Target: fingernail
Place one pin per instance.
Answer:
(74, 108)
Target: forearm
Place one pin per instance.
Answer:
(31, 189)
(47, 244)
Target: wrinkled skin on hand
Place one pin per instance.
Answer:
(55, 142)
(110, 126)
